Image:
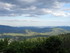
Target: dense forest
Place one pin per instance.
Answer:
(51, 44)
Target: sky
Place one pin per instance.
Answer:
(35, 12)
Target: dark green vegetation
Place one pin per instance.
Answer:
(65, 42)
(52, 44)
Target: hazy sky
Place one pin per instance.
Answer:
(35, 12)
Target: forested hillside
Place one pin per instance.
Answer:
(52, 44)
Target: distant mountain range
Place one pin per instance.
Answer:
(10, 29)
(20, 33)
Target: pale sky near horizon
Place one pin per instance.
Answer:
(35, 12)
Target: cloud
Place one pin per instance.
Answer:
(68, 9)
(32, 7)
(56, 12)
(28, 1)
(65, 1)
(19, 20)
(5, 6)
(31, 22)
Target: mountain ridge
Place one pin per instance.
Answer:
(10, 29)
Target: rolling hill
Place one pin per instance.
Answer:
(10, 29)
(31, 32)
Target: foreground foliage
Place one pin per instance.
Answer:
(53, 44)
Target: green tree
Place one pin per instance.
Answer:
(53, 44)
